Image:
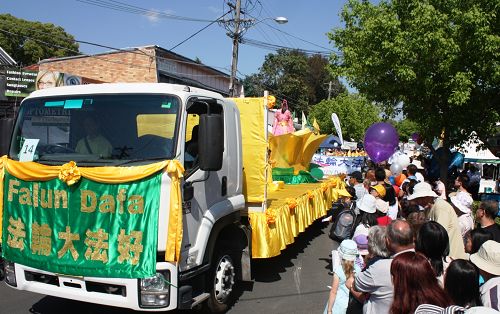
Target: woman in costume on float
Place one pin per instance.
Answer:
(283, 121)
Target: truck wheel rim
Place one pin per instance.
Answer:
(224, 279)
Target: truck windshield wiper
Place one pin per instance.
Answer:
(131, 161)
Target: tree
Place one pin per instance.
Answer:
(318, 79)
(405, 129)
(439, 58)
(29, 42)
(292, 75)
(355, 113)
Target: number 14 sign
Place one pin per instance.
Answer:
(28, 149)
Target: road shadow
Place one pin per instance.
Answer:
(55, 305)
(269, 269)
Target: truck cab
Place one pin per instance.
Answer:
(112, 127)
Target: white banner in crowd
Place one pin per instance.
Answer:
(336, 123)
(332, 165)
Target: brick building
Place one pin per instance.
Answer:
(141, 64)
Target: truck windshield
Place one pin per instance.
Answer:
(96, 129)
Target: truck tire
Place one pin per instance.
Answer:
(222, 279)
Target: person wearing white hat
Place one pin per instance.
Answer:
(442, 212)
(487, 259)
(462, 203)
(339, 294)
(368, 217)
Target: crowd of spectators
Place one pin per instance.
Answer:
(419, 249)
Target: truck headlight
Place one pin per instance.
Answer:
(10, 274)
(154, 291)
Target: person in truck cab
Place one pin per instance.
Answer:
(93, 142)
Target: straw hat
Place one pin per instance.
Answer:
(422, 189)
(488, 257)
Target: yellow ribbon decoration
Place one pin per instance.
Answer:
(310, 194)
(270, 216)
(292, 203)
(70, 173)
(174, 237)
(271, 101)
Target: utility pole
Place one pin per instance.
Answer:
(236, 39)
(236, 27)
(329, 89)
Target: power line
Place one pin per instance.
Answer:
(199, 31)
(128, 8)
(296, 37)
(102, 58)
(274, 47)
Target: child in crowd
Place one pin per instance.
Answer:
(362, 244)
(339, 294)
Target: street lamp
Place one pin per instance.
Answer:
(236, 36)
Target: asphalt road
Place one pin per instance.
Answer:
(294, 282)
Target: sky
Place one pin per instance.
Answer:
(93, 21)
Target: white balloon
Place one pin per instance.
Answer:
(396, 169)
(403, 160)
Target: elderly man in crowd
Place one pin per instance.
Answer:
(485, 216)
(376, 279)
(441, 211)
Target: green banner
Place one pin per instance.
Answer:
(89, 229)
(19, 82)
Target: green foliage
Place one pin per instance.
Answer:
(441, 59)
(355, 113)
(405, 129)
(292, 75)
(51, 41)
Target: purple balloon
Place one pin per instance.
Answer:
(381, 140)
(415, 136)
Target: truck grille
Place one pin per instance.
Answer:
(91, 286)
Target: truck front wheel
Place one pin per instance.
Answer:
(223, 277)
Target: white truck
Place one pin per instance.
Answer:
(131, 195)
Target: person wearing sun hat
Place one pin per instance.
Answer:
(368, 217)
(378, 191)
(346, 267)
(462, 203)
(487, 259)
(441, 211)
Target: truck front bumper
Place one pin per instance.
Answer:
(119, 292)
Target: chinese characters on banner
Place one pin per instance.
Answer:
(332, 165)
(93, 229)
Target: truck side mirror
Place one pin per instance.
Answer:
(211, 142)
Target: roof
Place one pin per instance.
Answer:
(5, 58)
(131, 49)
(472, 154)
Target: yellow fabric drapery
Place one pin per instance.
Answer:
(254, 145)
(32, 171)
(270, 236)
